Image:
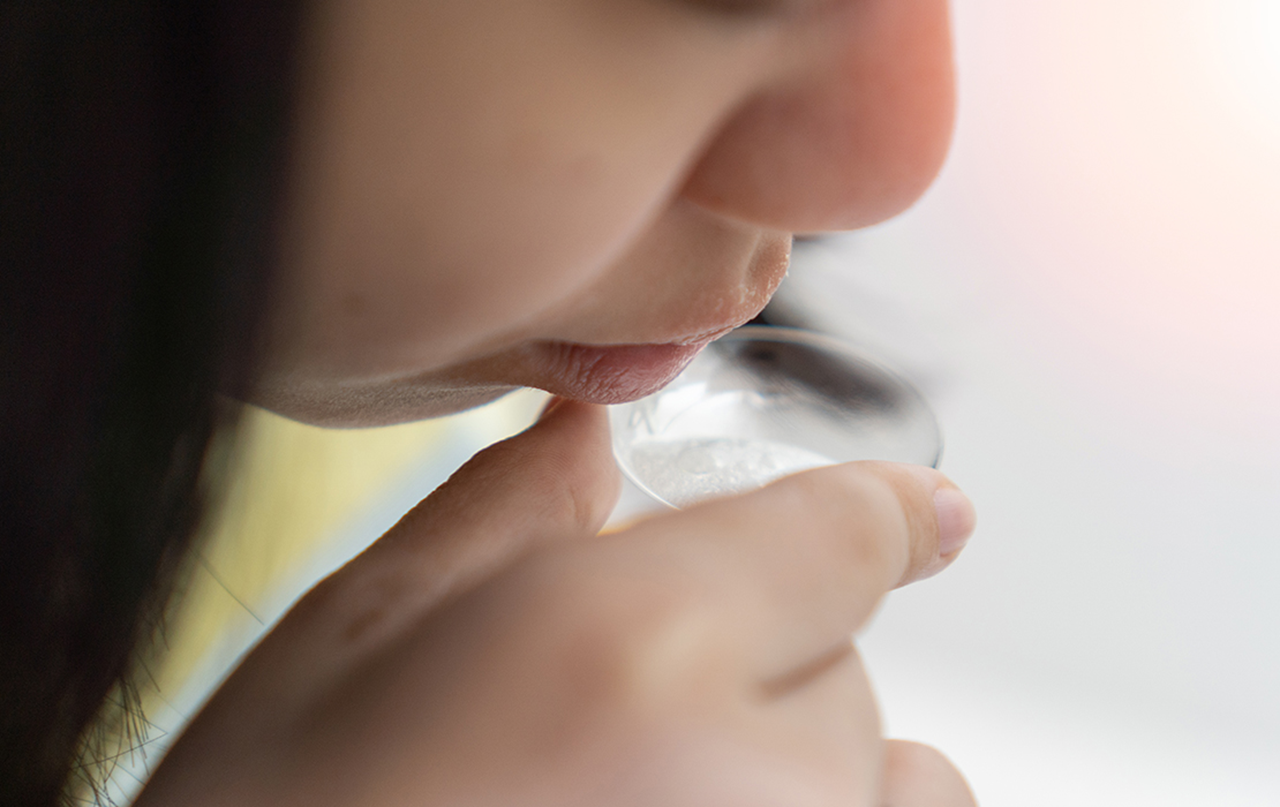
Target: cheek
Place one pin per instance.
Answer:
(446, 250)
(459, 176)
(852, 141)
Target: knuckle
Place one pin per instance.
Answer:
(571, 496)
(566, 489)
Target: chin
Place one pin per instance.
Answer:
(378, 404)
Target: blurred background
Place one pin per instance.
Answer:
(1090, 297)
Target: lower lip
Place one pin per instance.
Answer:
(614, 373)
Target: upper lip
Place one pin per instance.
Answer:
(701, 337)
(705, 337)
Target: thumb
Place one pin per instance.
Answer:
(554, 481)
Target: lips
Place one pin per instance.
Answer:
(608, 374)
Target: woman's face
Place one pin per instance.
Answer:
(576, 194)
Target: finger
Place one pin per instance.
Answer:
(917, 775)
(799, 565)
(556, 481)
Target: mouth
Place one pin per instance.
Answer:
(609, 374)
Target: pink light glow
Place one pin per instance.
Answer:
(1128, 176)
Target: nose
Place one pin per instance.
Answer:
(851, 135)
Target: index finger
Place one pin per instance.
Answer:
(802, 563)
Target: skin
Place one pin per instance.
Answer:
(492, 649)
(478, 181)
(574, 195)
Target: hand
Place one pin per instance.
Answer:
(491, 649)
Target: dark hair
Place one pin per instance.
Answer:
(142, 150)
